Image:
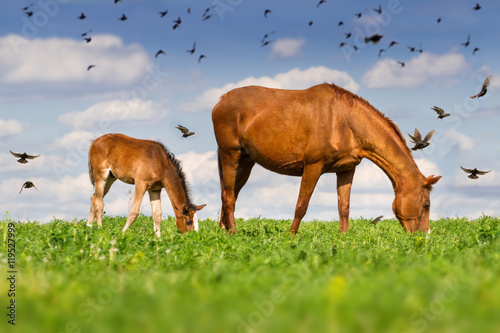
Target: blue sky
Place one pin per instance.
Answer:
(51, 105)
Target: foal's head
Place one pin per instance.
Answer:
(188, 220)
(412, 205)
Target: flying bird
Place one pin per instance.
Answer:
(86, 33)
(467, 42)
(90, 67)
(88, 39)
(440, 112)
(266, 36)
(193, 49)
(393, 43)
(116, 1)
(159, 52)
(474, 172)
(420, 143)
(484, 88)
(177, 23)
(412, 48)
(123, 18)
(377, 219)
(374, 39)
(27, 184)
(439, 20)
(380, 52)
(347, 34)
(379, 9)
(27, 7)
(185, 131)
(320, 2)
(310, 23)
(23, 158)
(162, 14)
(29, 13)
(201, 57)
(341, 23)
(82, 16)
(358, 15)
(267, 11)
(475, 50)
(206, 17)
(476, 7)
(401, 63)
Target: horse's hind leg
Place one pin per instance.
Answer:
(97, 199)
(140, 189)
(234, 170)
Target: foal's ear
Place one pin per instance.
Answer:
(200, 207)
(431, 180)
(185, 210)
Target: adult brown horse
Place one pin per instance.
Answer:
(310, 132)
(148, 165)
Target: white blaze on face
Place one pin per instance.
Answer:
(195, 222)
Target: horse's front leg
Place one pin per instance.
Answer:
(154, 197)
(310, 177)
(344, 182)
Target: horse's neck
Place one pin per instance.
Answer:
(392, 156)
(175, 190)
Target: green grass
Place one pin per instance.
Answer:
(72, 278)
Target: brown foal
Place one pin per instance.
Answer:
(148, 165)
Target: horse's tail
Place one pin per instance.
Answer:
(219, 167)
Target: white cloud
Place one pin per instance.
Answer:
(388, 73)
(461, 140)
(10, 127)
(293, 79)
(287, 48)
(45, 67)
(105, 116)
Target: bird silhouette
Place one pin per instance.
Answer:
(88, 39)
(23, 158)
(123, 18)
(82, 16)
(358, 15)
(476, 7)
(27, 184)
(90, 67)
(266, 36)
(374, 39)
(320, 2)
(484, 88)
(439, 20)
(162, 14)
(475, 50)
(27, 7)
(375, 220)
(341, 23)
(474, 172)
(401, 63)
(29, 13)
(86, 33)
(467, 42)
(177, 23)
(380, 52)
(440, 112)
(201, 57)
(159, 52)
(420, 143)
(267, 11)
(310, 23)
(185, 131)
(412, 48)
(193, 49)
(379, 9)
(393, 43)
(347, 34)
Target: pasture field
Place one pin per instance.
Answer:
(377, 278)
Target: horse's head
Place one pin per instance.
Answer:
(188, 220)
(412, 205)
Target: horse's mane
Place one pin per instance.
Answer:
(180, 172)
(353, 98)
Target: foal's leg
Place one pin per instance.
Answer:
(99, 197)
(344, 182)
(140, 189)
(154, 197)
(310, 177)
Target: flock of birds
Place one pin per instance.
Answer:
(419, 142)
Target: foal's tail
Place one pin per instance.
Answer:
(91, 173)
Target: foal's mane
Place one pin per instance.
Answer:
(353, 98)
(180, 172)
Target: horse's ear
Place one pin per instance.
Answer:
(431, 180)
(200, 207)
(185, 210)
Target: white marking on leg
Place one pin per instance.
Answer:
(195, 222)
